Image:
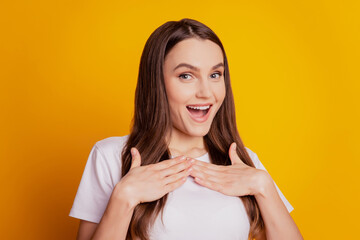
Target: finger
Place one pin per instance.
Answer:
(172, 186)
(176, 177)
(208, 171)
(136, 158)
(168, 163)
(233, 154)
(205, 175)
(175, 168)
(212, 166)
(209, 184)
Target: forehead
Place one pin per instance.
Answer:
(197, 52)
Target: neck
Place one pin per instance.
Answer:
(183, 144)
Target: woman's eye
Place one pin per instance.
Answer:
(181, 75)
(218, 73)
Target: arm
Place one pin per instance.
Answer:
(165, 177)
(278, 222)
(86, 230)
(239, 179)
(116, 219)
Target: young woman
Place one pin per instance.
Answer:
(183, 172)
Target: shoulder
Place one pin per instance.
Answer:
(250, 152)
(253, 157)
(111, 145)
(106, 159)
(108, 150)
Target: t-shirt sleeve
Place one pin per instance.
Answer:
(95, 188)
(259, 165)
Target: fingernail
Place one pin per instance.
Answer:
(133, 152)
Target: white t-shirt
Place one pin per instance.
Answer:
(191, 212)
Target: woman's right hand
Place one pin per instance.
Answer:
(151, 182)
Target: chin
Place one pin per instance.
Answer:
(200, 132)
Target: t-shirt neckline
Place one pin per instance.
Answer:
(202, 156)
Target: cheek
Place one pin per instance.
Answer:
(170, 92)
(220, 92)
(178, 94)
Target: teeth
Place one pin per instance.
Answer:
(199, 108)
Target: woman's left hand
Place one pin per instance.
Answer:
(237, 179)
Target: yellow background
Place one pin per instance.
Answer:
(68, 72)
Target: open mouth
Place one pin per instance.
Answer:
(198, 111)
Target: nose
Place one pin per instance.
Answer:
(203, 88)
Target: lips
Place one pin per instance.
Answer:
(199, 112)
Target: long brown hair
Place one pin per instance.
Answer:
(152, 123)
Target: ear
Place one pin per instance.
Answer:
(233, 155)
(136, 158)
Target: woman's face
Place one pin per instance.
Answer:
(195, 87)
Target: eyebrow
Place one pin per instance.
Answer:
(195, 68)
